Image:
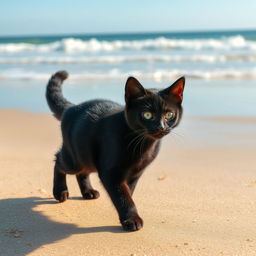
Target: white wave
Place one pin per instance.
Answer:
(158, 75)
(127, 59)
(72, 45)
(25, 47)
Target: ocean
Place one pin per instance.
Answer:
(214, 63)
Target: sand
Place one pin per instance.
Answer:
(197, 198)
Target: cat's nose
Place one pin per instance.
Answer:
(161, 126)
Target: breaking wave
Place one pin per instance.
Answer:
(127, 59)
(19, 74)
(72, 45)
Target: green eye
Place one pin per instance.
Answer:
(147, 115)
(169, 115)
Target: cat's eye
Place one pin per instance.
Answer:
(147, 115)
(168, 115)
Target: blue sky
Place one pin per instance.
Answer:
(19, 17)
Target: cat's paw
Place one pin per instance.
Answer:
(91, 194)
(61, 196)
(133, 223)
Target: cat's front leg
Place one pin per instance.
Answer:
(120, 195)
(132, 182)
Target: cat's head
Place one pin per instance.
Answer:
(152, 112)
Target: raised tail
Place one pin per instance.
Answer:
(55, 99)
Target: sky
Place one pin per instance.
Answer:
(30, 17)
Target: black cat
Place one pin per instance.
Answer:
(116, 141)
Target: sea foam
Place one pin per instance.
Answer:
(158, 75)
(72, 45)
(126, 59)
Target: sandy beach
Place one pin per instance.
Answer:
(197, 198)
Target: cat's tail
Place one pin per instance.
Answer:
(55, 99)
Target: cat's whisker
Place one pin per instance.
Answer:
(138, 131)
(134, 140)
(178, 134)
(138, 138)
(139, 144)
(135, 146)
(180, 137)
(142, 145)
(138, 141)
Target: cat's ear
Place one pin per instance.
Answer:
(133, 89)
(176, 89)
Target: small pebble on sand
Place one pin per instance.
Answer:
(43, 191)
(162, 177)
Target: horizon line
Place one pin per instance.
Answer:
(132, 32)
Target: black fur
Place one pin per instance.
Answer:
(55, 100)
(118, 142)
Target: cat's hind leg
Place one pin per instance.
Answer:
(60, 189)
(86, 188)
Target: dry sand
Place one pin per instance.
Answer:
(197, 198)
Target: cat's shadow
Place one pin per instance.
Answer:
(23, 230)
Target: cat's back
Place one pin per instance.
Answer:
(88, 113)
(98, 109)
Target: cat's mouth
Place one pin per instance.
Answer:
(159, 134)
